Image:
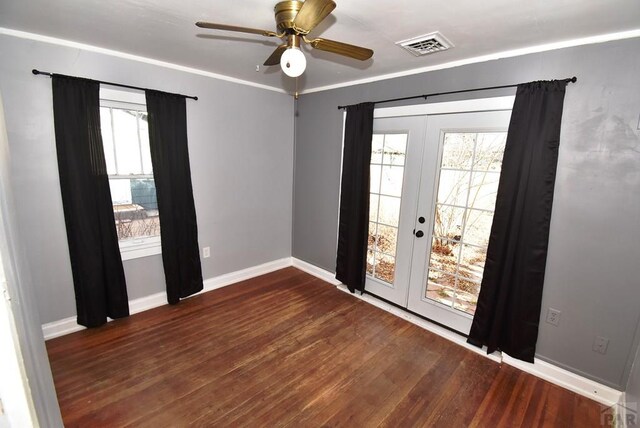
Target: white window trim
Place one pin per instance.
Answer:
(122, 96)
(143, 246)
(140, 247)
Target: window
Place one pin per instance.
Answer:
(125, 136)
(388, 152)
(467, 189)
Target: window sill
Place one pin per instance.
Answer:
(143, 248)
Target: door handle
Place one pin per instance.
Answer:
(419, 234)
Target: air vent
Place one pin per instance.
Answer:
(427, 44)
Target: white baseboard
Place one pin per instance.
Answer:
(315, 271)
(70, 325)
(147, 302)
(568, 380)
(244, 274)
(556, 375)
(60, 328)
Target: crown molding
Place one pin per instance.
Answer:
(602, 38)
(124, 55)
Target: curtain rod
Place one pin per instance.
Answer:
(568, 80)
(45, 73)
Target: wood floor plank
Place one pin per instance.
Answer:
(214, 357)
(294, 393)
(286, 349)
(264, 371)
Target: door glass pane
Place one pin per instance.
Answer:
(478, 227)
(373, 207)
(457, 150)
(376, 172)
(395, 148)
(448, 222)
(483, 191)
(370, 262)
(489, 151)
(389, 211)
(441, 278)
(443, 285)
(453, 187)
(387, 239)
(384, 268)
(377, 143)
(444, 255)
(440, 293)
(391, 183)
(466, 302)
(388, 152)
(371, 242)
(472, 262)
(463, 215)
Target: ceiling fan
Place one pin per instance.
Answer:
(294, 21)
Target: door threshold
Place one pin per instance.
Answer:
(415, 314)
(423, 322)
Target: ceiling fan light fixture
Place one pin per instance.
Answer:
(293, 62)
(295, 19)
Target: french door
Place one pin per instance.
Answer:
(434, 179)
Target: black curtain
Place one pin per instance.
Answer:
(353, 229)
(98, 276)
(172, 175)
(508, 310)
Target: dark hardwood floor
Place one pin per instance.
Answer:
(287, 349)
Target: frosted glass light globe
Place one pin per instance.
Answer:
(293, 62)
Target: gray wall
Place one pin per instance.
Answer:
(20, 285)
(632, 396)
(593, 250)
(241, 151)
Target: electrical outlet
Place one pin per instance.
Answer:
(206, 252)
(600, 344)
(553, 316)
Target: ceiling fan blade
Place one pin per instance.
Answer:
(225, 27)
(311, 14)
(340, 48)
(274, 59)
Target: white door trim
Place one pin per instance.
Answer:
(479, 104)
(426, 111)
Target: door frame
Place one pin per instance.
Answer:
(463, 106)
(445, 107)
(440, 108)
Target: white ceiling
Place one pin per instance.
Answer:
(165, 30)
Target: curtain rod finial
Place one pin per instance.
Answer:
(35, 71)
(574, 79)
